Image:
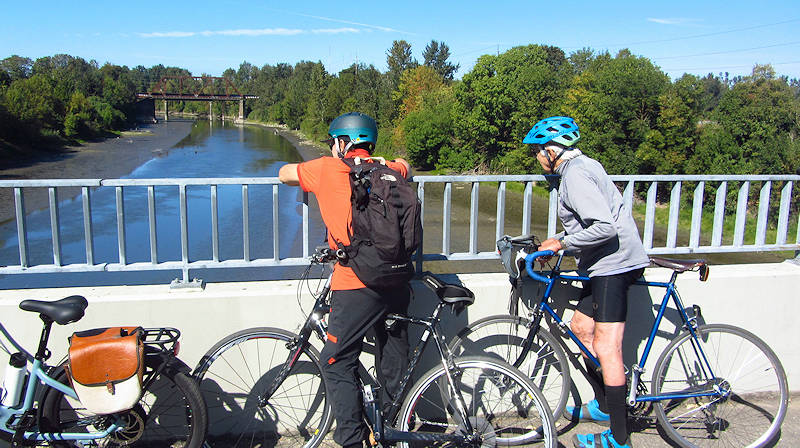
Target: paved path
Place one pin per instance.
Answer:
(649, 437)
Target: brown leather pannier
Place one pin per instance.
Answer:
(106, 367)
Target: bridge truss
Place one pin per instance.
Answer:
(195, 88)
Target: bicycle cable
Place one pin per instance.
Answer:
(305, 279)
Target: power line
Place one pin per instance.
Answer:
(725, 67)
(730, 51)
(695, 36)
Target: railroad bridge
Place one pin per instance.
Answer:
(194, 88)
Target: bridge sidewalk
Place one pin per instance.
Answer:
(649, 435)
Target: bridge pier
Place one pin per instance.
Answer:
(210, 112)
(241, 110)
(166, 111)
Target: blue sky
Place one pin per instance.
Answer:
(207, 37)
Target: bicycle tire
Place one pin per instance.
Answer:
(233, 375)
(750, 416)
(502, 336)
(171, 413)
(510, 410)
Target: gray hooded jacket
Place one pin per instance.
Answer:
(596, 222)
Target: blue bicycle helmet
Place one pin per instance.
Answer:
(357, 127)
(562, 130)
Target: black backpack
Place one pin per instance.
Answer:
(386, 225)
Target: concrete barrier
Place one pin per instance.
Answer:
(762, 298)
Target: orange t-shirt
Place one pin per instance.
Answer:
(328, 178)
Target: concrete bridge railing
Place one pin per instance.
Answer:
(761, 298)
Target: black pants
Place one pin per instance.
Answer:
(353, 313)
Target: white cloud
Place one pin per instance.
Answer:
(671, 21)
(334, 30)
(348, 22)
(169, 34)
(240, 32)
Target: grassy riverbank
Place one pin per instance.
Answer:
(106, 159)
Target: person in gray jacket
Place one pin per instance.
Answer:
(599, 228)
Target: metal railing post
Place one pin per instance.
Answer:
(22, 232)
(86, 204)
(142, 226)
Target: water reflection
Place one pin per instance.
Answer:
(218, 150)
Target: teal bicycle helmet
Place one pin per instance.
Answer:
(358, 128)
(561, 130)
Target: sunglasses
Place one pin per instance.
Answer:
(329, 141)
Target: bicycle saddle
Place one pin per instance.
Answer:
(449, 293)
(677, 265)
(67, 310)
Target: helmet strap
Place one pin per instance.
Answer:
(339, 152)
(348, 146)
(552, 162)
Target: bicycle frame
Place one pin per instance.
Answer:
(383, 433)
(637, 369)
(37, 374)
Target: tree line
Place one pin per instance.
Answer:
(633, 117)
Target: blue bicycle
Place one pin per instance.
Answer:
(170, 413)
(712, 385)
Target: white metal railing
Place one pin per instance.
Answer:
(699, 240)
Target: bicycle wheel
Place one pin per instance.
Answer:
(171, 413)
(234, 376)
(502, 404)
(753, 400)
(503, 336)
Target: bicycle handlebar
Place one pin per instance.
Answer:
(529, 259)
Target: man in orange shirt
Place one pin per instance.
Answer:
(354, 308)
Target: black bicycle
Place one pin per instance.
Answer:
(264, 388)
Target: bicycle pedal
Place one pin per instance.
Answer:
(22, 422)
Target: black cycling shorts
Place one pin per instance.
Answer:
(605, 298)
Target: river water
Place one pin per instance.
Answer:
(220, 150)
(210, 150)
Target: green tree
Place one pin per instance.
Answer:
(414, 83)
(615, 101)
(580, 59)
(79, 120)
(502, 96)
(32, 102)
(314, 120)
(713, 89)
(428, 129)
(16, 67)
(436, 55)
(399, 58)
(119, 91)
(668, 146)
(716, 152)
(760, 113)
